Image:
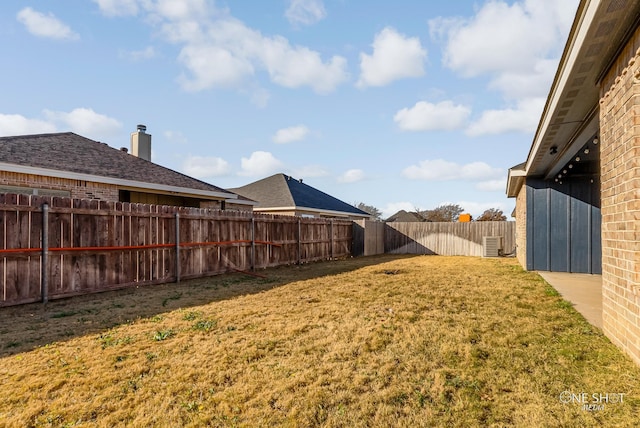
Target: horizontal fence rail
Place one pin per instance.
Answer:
(93, 246)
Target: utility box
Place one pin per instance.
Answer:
(491, 246)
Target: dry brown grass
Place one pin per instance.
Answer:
(377, 341)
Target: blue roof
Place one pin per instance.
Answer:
(280, 191)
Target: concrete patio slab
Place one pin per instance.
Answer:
(584, 291)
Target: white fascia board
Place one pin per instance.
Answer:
(115, 181)
(313, 210)
(567, 68)
(241, 202)
(515, 179)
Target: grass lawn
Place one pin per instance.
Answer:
(373, 341)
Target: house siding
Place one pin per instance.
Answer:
(77, 188)
(80, 189)
(620, 173)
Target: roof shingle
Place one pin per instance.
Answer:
(69, 152)
(281, 190)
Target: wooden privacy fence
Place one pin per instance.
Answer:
(447, 239)
(56, 247)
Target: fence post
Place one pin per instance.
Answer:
(44, 283)
(331, 240)
(177, 247)
(253, 244)
(299, 241)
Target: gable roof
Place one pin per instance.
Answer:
(68, 155)
(283, 191)
(404, 217)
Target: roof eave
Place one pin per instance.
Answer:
(584, 18)
(131, 184)
(515, 181)
(313, 210)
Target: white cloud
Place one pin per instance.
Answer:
(306, 12)
(183, 10)
(82, 121)
(42, 25)
(217, 50)
(394, 57)
(291, 134)
(228, 52)
(492, 40)
(533, 83)
(212, 66)
(441, 170)
(15, 124)
(118, 7)
(492, 185)
(424, 116)
(205, 167)
(523, 118)
(491, 43)
(260, 164)
(351, 176)
(293, 67)
(86, 122)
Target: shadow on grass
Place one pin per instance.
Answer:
(26, 327)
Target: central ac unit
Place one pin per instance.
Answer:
(491, 246)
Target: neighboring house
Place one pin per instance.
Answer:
(403, 216)
(578, 192)
(284, 195)
(67, 164)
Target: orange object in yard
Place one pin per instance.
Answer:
(464, 218)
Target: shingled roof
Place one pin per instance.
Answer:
(403, 216)
(283, 191)
(67, 154)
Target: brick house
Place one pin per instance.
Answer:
(284, 195)
(69, 165)
(578, 192)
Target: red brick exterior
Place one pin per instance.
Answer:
(80, 189)
(620, 174)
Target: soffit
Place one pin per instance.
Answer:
(572, 106)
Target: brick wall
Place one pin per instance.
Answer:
(238, 207)
(80, 189)
(76, 188)
(89, 190)
(620, 175)
(521, 226)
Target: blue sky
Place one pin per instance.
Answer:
(400, 105)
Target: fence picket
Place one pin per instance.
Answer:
(85, 237)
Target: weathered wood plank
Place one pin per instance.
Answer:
(84, 236)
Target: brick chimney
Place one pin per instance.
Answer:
(141, 143)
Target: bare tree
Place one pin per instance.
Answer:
(375, 213)
(492, 214)
(447, 213)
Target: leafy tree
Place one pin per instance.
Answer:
(492, 214)
(447, 212)
(375, 213)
